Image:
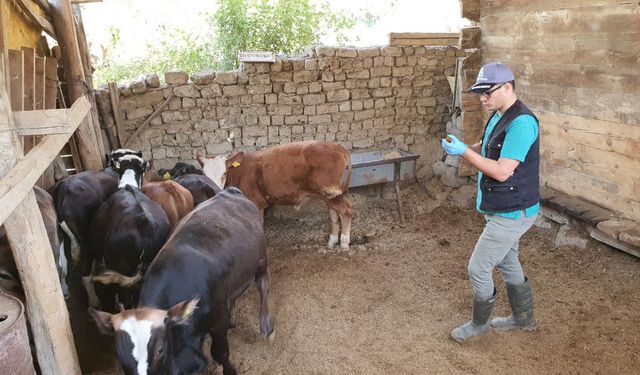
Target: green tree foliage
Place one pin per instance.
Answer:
(282, 26)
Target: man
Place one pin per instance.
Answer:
(508, 195)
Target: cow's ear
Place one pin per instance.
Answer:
(103, 321)
(235, 159)
(139, 154)
(199, 158)
(182, 312)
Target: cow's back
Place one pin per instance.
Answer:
(201, 187)
(77, 197)
(221, 242)
(175, 200)
(290, 173)
(128, 225)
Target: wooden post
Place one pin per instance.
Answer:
(46, 309)
(87, 139)
(114, 94)
(88, 73)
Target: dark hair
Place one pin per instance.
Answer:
(513, 84)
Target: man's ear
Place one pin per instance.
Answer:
(103, 321)
(181, 312)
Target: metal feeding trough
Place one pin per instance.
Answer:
(381, 167)
(15, 352)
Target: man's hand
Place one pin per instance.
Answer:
(453, 146)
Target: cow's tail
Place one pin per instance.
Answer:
(345, 187)
(116, 278)
(75, 244)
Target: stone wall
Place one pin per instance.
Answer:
(368, 98)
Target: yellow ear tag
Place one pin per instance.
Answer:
(166, 176)
(187, 311)
(235, 164)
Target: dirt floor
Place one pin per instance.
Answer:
(388, 305)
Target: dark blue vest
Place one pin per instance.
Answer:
(522, 189)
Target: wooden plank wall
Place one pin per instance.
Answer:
(33, 88)
(576, 65)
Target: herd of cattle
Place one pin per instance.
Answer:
(163, 262)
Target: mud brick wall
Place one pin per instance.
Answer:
(364, 99)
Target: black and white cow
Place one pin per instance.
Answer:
(9, 278)
(213, 255)
(77, 197)
(125, 235)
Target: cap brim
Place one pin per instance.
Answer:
(480, 88)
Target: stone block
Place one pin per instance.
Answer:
(138, 113)
(338, 95)
(174, 116)
(305, 76)
(362, 74)
(295, 119)
(203, 77)
(226, 78)
(325, 51)
(138, 86)
(186, 91)
(152, 81)
(176, 78)
(218, 148)
(233, 90)
(631, 236)
(313, 99)
(368, 52)
(148, 98)
(346, 52)
(319, 119)
(391, 51)
(613, 227)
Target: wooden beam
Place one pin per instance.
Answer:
(114, 94)
(35, 18)
(18, 182)
(44, 5)
(29, 71)
(86, 136)
(51, 82)
(88, 73)
(85, 1)
(50, 121)
(16, 79)
(40, 83)
(46, 309)
(424, 42)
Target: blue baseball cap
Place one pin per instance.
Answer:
(490, 75)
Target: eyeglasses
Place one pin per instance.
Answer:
(487, 94)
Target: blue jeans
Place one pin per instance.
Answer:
(497, 247)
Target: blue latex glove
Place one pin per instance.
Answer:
(455, 147)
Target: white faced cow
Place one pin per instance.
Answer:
(125, 235)
(291, 174)
(213, 255)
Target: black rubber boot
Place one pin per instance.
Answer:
(480, 322)
(521, 301)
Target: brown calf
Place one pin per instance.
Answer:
(174, 199)
(291, 174)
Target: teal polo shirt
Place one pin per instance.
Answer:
(520, 135)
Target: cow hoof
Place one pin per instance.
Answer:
(344, 247)
(333, 241)
(266, 327)
(272, 336)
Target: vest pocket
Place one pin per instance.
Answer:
(506, 197)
